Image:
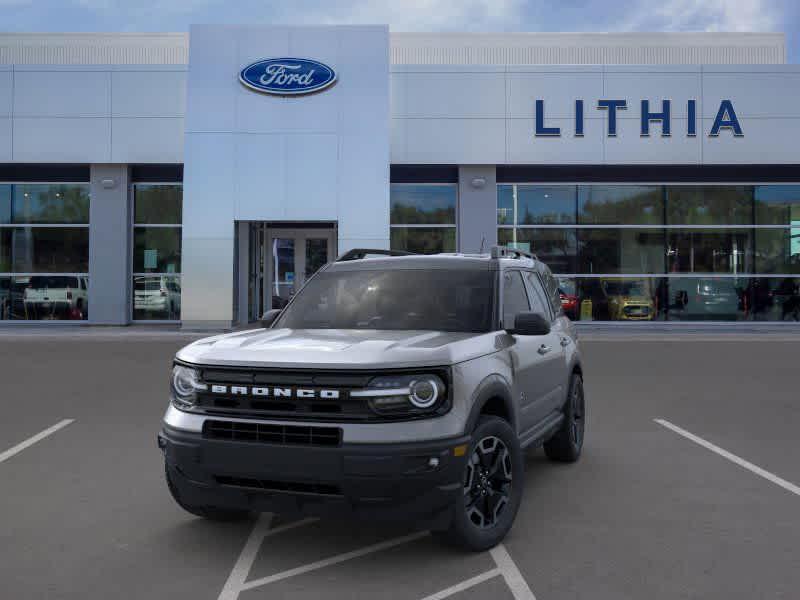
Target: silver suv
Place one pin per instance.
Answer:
(404, 387)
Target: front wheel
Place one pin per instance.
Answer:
(492, 487)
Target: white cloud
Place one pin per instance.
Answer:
(416, 15)
(705, 15)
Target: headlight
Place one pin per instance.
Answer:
(405, 395)
(185, 385)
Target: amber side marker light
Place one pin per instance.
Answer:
(460, 450)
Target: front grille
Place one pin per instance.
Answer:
(294, 487)
(272, 433)
(343, 408)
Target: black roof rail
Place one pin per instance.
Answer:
(359, 253)
(506, 252)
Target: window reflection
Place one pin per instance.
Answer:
(156, 297)
(423, 240)
(556, 247)
(433, 205)
(620, 204)
(709, 205)
(44, 297)
(157, 213)
(710, 251)
(621, 250)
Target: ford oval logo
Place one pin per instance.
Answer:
(287, 76)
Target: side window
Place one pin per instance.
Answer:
(539, 302)
(515, 299)
(551, 287)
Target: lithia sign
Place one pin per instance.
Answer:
(725, 120)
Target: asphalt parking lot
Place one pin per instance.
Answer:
(702, 503)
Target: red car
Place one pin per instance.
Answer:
(569, 298)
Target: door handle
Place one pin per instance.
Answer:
(543, 349)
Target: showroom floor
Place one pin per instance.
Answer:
(687, 488)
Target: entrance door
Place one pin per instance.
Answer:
(291, 256)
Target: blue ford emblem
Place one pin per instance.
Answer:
(287, 76)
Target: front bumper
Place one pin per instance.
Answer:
(384, 481)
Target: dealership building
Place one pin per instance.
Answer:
(200, 178)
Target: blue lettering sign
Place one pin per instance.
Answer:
(691, 118)
(726, 119)
(612, 106)
(663, 116)
(541, 130)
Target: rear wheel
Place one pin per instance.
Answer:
(567, 443)
(213, 513)
(492, 487)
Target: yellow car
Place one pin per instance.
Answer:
(628, 299)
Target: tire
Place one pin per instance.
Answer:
(567, 443)
(470, 529)
(212, 513)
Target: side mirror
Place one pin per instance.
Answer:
(269, 317)
(530, 323)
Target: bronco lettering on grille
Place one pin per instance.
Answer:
(275, 392)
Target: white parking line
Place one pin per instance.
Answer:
(33, 439)
(464, 585)
(731, 457)
(333, 560)
(240, 571)
(514, 579)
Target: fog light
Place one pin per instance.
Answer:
(433, 462)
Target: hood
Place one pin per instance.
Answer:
(339, 348)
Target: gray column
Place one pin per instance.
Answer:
(109, 243)
(477, 208)
(243, 254)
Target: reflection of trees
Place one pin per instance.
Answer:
(413, 215)
(623, 205)
(158, 204)
(50, 204)
(424, 241)
(702, 205)
(166, 241)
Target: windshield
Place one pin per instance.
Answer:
(438, 300)
(39, 282)
(625, 288)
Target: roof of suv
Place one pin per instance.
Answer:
(433, 261)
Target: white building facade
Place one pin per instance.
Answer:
(142, 178)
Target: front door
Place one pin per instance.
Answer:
(291, 256)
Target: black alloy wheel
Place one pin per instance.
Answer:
(487, 482)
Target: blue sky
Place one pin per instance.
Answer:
(414, 15)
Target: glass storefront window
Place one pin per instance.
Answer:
(710, 251)
(708, 299)
(423, 204)
(158, 204)
(156, 297)
(157, 214)
(44, 251)
(615, 298)
(776, 299)
(433, 205)
(424, 240)
(620, 204)
(535, 204)
(44, 204)
(157, 250)
(558, 248)
(709, 205)
(778, 250)
(620, 251)
(777, 205)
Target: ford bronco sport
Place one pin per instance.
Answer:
(401, 386)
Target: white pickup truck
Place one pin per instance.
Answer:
(56, 296)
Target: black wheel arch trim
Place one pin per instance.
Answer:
(493, 386)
